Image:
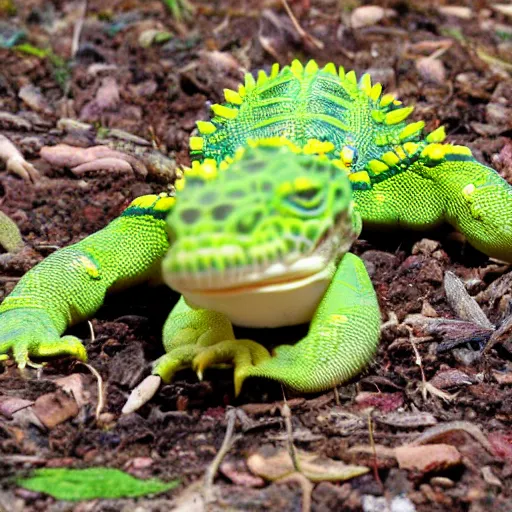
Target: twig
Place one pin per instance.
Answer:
(286, 413)
(437, 431)
(337, 397)
(227, 443)
(419, 363)
(101, 395)
(374, 451)
(426, 387)
(308, 37)
(77, 31)
(306, 486)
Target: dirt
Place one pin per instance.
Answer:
(162, 88)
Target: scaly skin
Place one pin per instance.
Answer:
(235, 233)
(398, 178)
(70, 285)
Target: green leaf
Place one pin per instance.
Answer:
(91, 483)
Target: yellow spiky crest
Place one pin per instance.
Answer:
(311, 68)
(225, 112)
(386, 100)
(360, 177)
(366, 83)
(398, 115)
(434, 151)
(438, 135)
(274, 70)
(196, 143)
(330, 68)
(262, 77)
(317, 147)
(375, 92)
(233, 97)
(161, 202)
(297, 68)
(390, 158)
(205, 127)
(376, 166)
(411, 148)
(351, 78)
(250, 83)
(412, 130)
(347, 156)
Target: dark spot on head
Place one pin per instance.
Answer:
(339, 193)
(266, 186)
(209, 197)
(253, 166)
(236, 193)
(222, 211)
(307, 164)
(246, 224)
(190, 215)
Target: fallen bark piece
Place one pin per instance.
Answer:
(34, 99)
(74, 385)
(115, 165)
(465, 306)
(451, 378)
(432, 457)
(384, 402)
(55, 408)
(9, 405)
(407, 419)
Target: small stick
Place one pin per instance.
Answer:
(299, 29)
(227, 443)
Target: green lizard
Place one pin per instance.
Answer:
(259, 228)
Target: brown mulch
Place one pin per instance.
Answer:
(431, 380)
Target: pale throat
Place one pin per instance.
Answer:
(277, 304)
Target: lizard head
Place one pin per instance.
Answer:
(271, 215)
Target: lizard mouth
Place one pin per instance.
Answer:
(292, 270)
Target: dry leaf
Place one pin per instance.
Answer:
(368, 15)
(55, 408)
(465, 306)
(505, 9)
(431, 70)
(432, 457)
(458, 11)
(316, 469)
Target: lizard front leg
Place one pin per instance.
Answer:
(453, 188)
(189, 332)
(342, 339)
(70, 285)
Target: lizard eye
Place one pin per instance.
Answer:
(306, 202)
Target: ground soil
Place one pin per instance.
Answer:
(163, 88)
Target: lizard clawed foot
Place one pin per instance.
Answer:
(164, 369)
(30, 333)
(242, 354)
